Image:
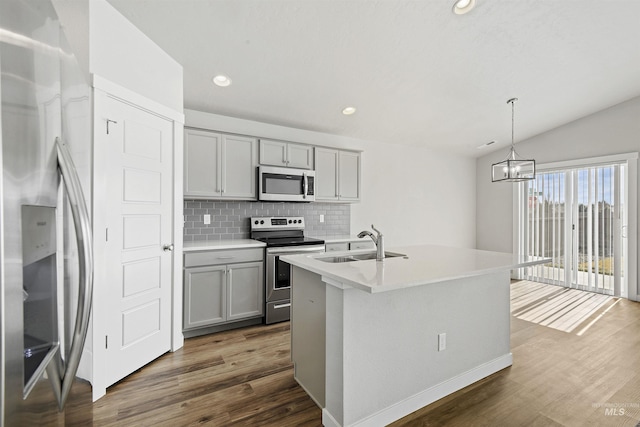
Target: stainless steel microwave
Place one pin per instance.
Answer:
(286, 184)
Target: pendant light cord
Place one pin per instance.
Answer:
(513, 115)
(512, 101)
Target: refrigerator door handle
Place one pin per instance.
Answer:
(82, 226)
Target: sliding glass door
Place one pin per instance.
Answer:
(576, 217)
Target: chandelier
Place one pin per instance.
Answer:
(513, 168)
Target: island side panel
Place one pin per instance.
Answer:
(332, 414)
(308, 305)
(388, 345)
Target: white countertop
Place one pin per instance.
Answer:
(212, 245)
(424, 264)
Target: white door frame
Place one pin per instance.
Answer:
(104, 88)
(631, 196)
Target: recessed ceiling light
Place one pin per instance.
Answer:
(349, 111)
(463, 6)
(221, 80)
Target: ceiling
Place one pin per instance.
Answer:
(417, 73)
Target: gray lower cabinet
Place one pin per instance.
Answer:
(336, 247)
(218, 290)
(205, 296)
(349, 246)
(245, 288)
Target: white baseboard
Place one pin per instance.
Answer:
(425, 397)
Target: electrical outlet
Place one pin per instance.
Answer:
(442, 341)
(207, 219)
(321, 218)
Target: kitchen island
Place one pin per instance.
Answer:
(373, 341)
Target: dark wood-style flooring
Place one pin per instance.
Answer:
(245, 378)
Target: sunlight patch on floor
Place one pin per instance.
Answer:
(556, 307)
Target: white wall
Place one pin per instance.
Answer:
(416, 196)
(121, 53)
(412, 195)
(110, 46)
(615, 130)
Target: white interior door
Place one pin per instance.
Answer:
(139, 230)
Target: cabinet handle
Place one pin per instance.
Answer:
(225, 257)
(277, 306)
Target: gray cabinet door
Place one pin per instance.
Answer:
(246, 290)
(349, 176)
(299, 156)
(326, 181)
(205, 296)
(240, 158)
(286, 154)
(273, 153)
(202, 155)
(336, 247)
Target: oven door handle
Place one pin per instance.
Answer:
(300, 249)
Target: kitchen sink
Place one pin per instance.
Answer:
(357, 257)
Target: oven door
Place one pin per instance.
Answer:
(285, 184)
(278, 280)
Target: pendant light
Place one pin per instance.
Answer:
(513, 168)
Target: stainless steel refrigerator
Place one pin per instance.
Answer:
(45, 251)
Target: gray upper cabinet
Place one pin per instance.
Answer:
(326, 174)
(286, 154)
(219, 166)
(348, 176)
(240, 155)
(202, 151)
(337, 175)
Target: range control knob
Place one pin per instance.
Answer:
(255, 222)
(290, 221)
(261, 221)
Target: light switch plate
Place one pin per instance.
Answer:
(207, 219)
(321, 218)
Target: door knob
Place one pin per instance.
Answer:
(167, 248)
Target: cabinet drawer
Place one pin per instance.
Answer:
(278, 311)
(361, 245)
(231, 256)
(334, 247)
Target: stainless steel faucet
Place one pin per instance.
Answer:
(377, 240)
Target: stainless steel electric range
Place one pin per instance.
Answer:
(283, 236)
